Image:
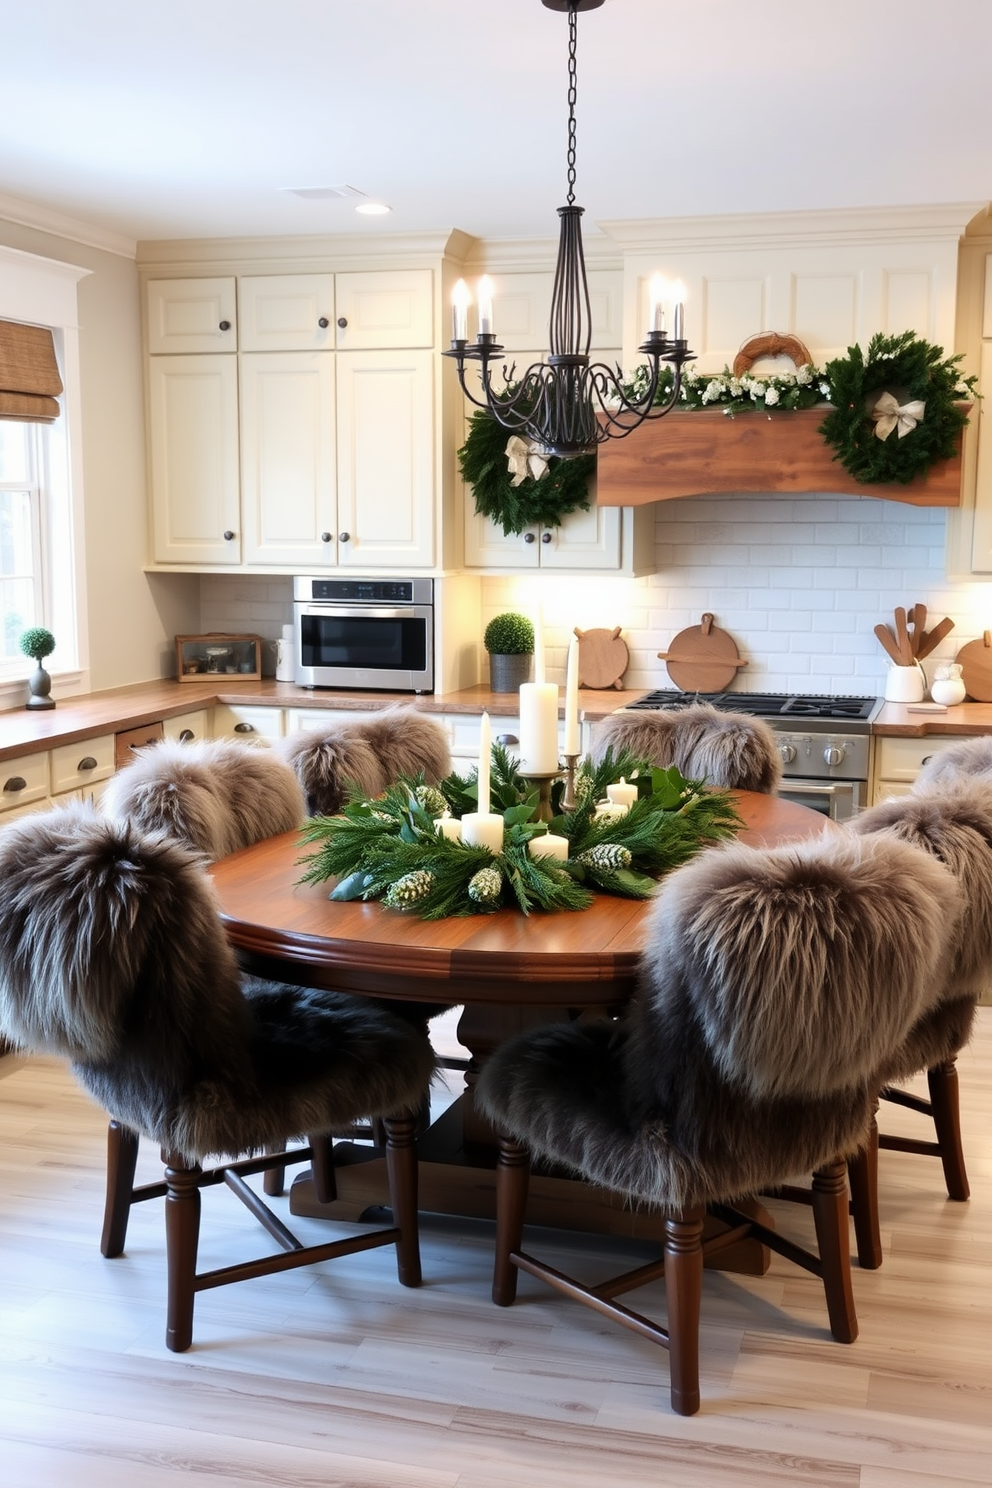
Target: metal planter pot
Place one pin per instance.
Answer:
(507, 672)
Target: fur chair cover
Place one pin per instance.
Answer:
(365, 754)
(216, 795)
(971, 757)
(730, 750)
(954, 824)
(112, 955)
(774, 985)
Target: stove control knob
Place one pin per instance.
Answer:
(833, 754)
(787, 752)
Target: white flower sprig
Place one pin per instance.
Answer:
(784, 391)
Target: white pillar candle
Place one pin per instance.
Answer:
(571, 745)
(538, 728)
(621, 794)
(549, 846)
(606, 812)
(485, 757)
(538, 647)
(483, 829)
(448, 826)
(485, 296)
(678, 295)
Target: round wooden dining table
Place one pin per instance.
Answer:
(508, 971)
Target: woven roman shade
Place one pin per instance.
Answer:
(29, 373)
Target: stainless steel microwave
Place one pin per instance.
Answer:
(368, 633)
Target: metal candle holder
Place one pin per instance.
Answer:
(543, 783)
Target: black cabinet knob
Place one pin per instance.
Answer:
(323, 322)
(529, 537)
(244, 728)
(326, 536)
(186, 735)
(225, 325)
(342, 321)
(228, 535)
(545, 537)
(344, 537)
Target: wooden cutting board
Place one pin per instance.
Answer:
(603, 657)
(703, 658)
(976, 668)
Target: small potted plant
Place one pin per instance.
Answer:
(38, 643)
(509, 639)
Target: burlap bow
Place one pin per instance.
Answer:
(889, 415)
(525, 459)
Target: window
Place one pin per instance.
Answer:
(23, 517)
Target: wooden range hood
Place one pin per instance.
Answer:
(702, 452)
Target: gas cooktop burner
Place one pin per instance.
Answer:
(784, 706)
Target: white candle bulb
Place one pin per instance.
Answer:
(485, 755)
(460, 301)
(485, 296)
(571, 745)
(549, 846)
(657, 292)
(678, 314)
(538, 647)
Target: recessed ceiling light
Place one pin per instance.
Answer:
(325, 193)
(373, 209)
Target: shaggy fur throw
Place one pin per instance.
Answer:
(969, 757)
(216, 795)
(366, 755)
(112, 954)
(774, 984)
(729, 750)
(953, 822)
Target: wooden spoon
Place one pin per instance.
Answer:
(918, 617)
(934, 637)
(888, 641)
(902, 637)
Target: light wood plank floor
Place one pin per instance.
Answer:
(338, 1376)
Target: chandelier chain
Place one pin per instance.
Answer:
(572, 32)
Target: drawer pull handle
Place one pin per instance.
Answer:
(186, 736)
(926, 759)
(506, 739)
(89, 763)
(15, 783)
(244, 728)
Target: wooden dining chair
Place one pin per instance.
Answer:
(774, 984)
(731, 750)
(950, 817)
(113, 956)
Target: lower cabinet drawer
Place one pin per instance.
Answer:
(902, 759)
(23, 781)
(79, 765)
(251, 725)
(130, 740)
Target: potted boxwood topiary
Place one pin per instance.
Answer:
(38, 643)
(509, 639)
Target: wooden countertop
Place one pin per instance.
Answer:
(897, 720)
(23, 731)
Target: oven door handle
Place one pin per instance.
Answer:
(838, 794)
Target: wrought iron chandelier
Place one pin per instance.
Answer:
(568, 405)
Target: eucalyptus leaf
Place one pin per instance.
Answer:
(352, 887)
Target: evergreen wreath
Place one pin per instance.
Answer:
(912, 369)
(389, 848)
(561, 490)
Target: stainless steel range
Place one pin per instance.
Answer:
(825, 742)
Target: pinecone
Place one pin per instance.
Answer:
(608, 857)
(409, 889)
(431, 799)
(485, 886)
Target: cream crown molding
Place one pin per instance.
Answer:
(533, 255)
(308, 253)
(732, 233)
(44, 219)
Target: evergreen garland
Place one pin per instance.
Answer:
(911, 369)
(561, 490)
(389, 848)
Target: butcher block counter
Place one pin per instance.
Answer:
(74, 719)
(898, 720)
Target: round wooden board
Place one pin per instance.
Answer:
(976, 668)
(603, 657)
(703, 658)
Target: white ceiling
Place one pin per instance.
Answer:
(188, 119)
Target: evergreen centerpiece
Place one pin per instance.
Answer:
(395, 848)
(38, 643)
(509, 639)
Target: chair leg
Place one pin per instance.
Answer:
(401, 1165)
(862, 1173)
(831, 1217)
(325, 1187)
(274, 1179)
(122, 1159)
(182, 1234)
(512, 1179)
(944, 1100)
(684, 1294)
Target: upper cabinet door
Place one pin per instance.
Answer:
(190, 315)
(287, 458)
(193, 415)
(382, 310)
(286, 312)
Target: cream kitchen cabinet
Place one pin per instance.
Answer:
(83, 769)
(188, 727)
(24, 785)
(249, 724)
(191, 315)
(308, 446)
(604, 539)
(898, 762)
